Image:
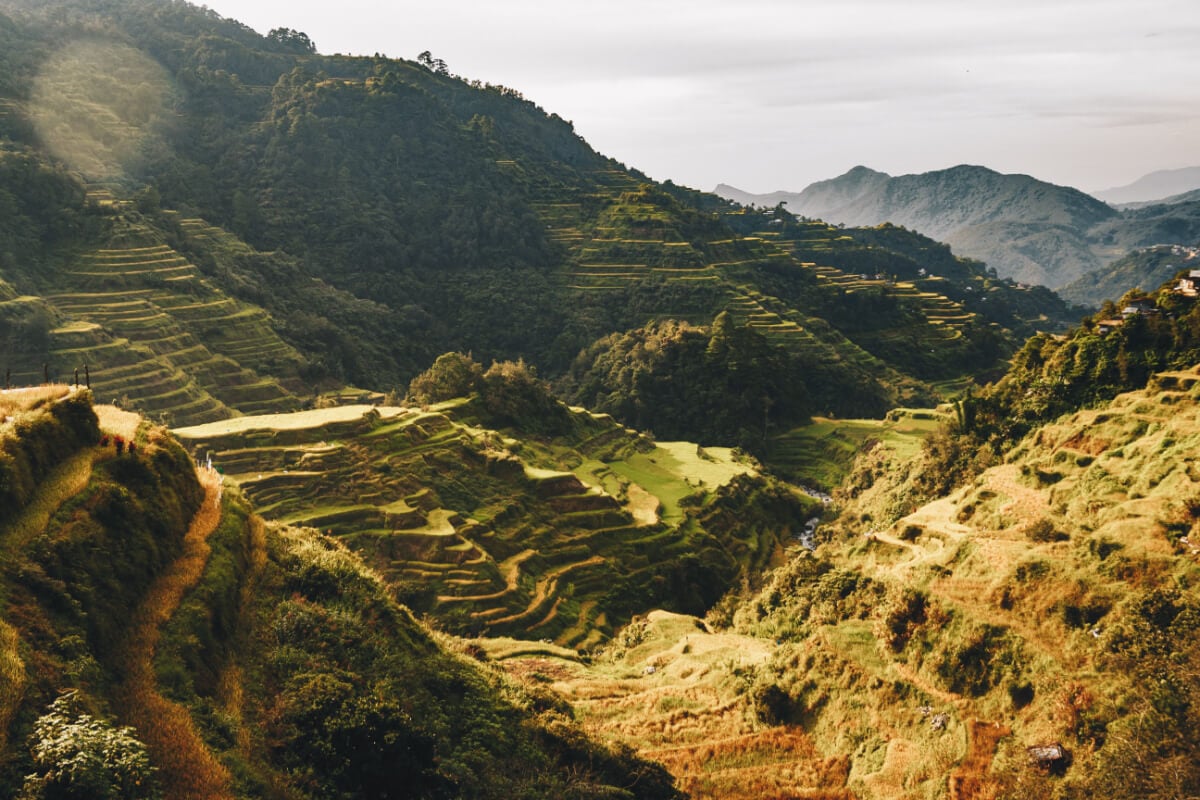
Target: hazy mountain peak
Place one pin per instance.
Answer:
(859, 172)
(1157, 185)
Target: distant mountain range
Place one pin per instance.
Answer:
(1159, 186)
(1026, 229)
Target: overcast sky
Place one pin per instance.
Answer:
(772, 94)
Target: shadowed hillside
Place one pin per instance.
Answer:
(157, 640)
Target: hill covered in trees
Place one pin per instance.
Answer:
(231, 222)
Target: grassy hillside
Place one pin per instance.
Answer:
(157, 640)
(1045, 610)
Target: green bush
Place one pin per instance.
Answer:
(79, 757)
(452, 375)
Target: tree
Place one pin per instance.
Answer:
(148, 200)
(426, 60)
(452, 375)
(293, 40)
(514, 395)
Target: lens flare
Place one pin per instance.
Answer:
(101, 107)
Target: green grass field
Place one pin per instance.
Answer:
(820, 454)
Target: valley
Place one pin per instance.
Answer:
(366, 433)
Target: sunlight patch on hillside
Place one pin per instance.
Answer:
(100, 106)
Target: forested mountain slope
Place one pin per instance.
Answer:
(381, 212)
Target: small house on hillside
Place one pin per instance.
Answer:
(1140, 307)
(1107, 326)
(1189, 285)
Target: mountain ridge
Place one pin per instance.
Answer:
(1154, 187)
(1033, 231)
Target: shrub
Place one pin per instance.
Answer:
(902, 617)
(772, 704)
(1020, 693)
(977, 659)
(452, 375)
(1103, 548)
(1028, 571)
(79, 756)
(1043, 530)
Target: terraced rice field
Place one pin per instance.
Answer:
(750, 308)
(156, 336)
(625, 246)
(938, 309)
(496, 543)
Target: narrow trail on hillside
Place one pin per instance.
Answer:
(910, 676)
(176, 748)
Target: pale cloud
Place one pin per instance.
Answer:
(771, 94)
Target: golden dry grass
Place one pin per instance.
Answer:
(117, 422)
(14, 401)
(687, 713)
(12, 679)
(231, 686)
(970, 780)
(64, 482)
(176, 748)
